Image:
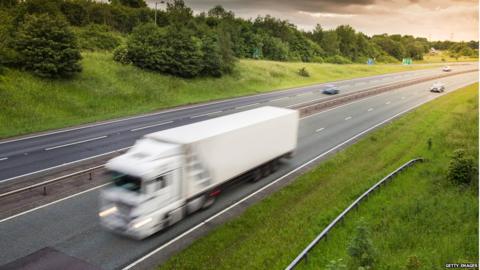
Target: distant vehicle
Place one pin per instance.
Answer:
(169, 174)
(331, 90)
(437, 87)
(447, 68)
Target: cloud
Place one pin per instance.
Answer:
(434, 19)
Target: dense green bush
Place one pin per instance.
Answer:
(172, 50)
(178, 51)
(337, 59)
(361, 250)
(303, 72)
(120, 54)
(47, 47)
(461, 169)
(97, 37)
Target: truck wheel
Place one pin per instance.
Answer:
(257, 175)
(266, 170)
(209, 201)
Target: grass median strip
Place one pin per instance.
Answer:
(419, 214)
(106, 89)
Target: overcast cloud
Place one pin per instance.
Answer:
(433, 19)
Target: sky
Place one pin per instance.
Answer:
(434, 19)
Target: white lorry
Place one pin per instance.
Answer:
(169, 174)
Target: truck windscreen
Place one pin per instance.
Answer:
(128, 182)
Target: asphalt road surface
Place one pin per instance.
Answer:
(71, 225)
(29, 155)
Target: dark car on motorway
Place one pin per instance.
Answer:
(437, 87)
(331, 90)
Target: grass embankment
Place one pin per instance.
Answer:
(443, 56)
(420, 213)
(106, 89)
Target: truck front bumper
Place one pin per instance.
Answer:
(117, 225)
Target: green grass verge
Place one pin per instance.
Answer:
(106, 90)
(419, 213)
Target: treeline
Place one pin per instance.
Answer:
(46, 37)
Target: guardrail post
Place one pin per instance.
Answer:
(44, 190)
(90, 176)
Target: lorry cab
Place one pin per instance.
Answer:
(146, 186)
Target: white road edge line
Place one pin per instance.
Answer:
(204, 114)
(348, 118)
(278, 99)
(64, 164)
(74, 143)
(154, 125)
(54, 202)
(130, 266)
(320, 129)
(244, 106)
(4, 158)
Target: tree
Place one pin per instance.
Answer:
(346, 36)
(274, 48)
(317, 34)
(390, 45)
(172, 50)
(330, 43)
(75, 13)
(220, 13)
(47, 47)
(131, 3)
(178, 13)
(8, 3)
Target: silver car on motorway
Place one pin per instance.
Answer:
(437, 87)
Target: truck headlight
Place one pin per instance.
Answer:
(108, 211)
(141, 223)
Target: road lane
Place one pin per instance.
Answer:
(71, 226)
(26, 156)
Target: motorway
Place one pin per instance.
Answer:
(71, 225)
(27, 155)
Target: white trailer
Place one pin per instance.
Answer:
(169, 174)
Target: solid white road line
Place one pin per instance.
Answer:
(4, 158)
(130, 266)
(348, 118)
(154, 125)
(74, 143)
(320, 129)
(64, 164)
(370, 109)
